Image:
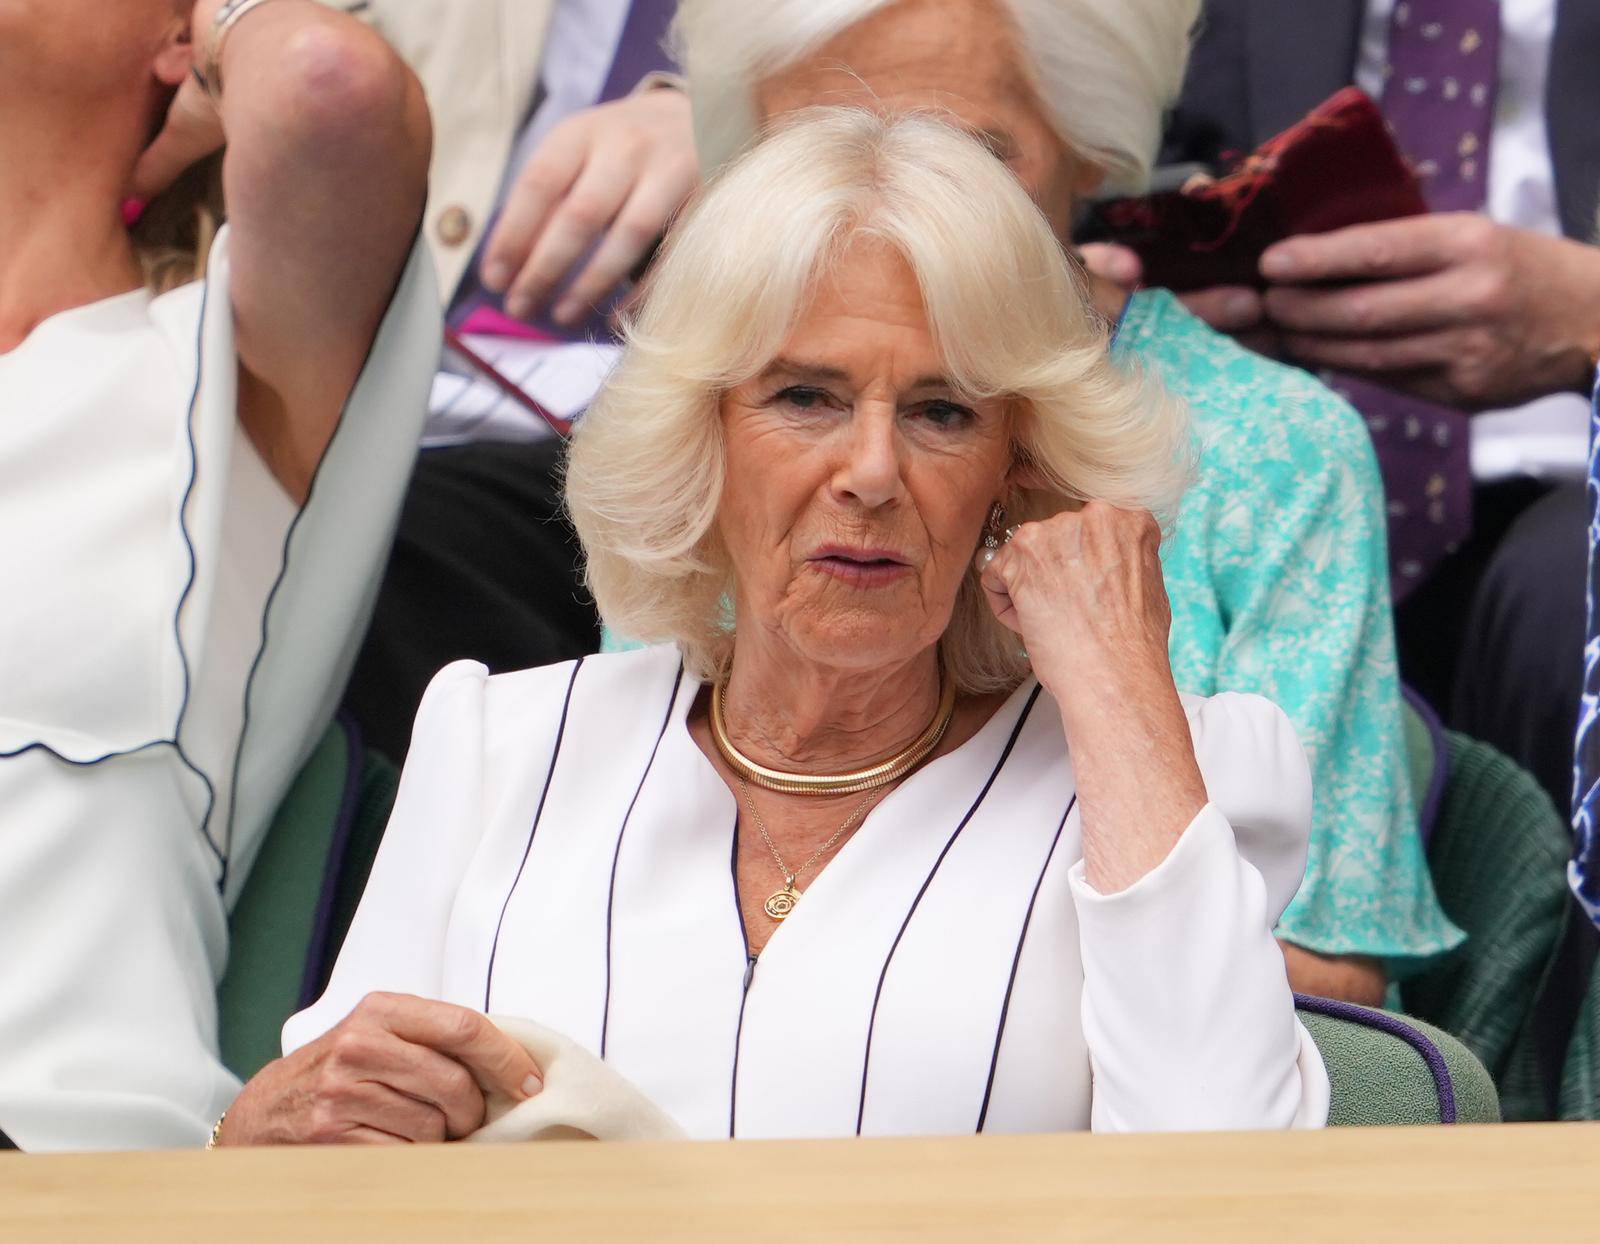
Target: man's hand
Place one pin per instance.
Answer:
(614, 173)
(1451, 307)
(1234, 309)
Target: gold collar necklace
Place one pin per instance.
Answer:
(880, 774)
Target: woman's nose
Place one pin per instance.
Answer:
(869, 468)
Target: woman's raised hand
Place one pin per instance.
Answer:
(193, 127)
(1084, 590)
(397, 1069)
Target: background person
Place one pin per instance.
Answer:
(562, 150)
(200, 489)
(1490, 306)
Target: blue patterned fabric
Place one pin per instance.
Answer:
(1585, 870)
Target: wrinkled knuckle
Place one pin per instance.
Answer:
(351, 1047)
(1361, 312)
(457, 1084)
(378, 1003)
(324, 1123)
(637, 231)
(1027, 537)
(1477, 234)
(460, 1025)
(1493, 294)
(1380, 255)
(587, 212)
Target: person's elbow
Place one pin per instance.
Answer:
(348, 99)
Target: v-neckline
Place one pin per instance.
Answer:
(989, 739)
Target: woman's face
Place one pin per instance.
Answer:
(858, 477)
(956, 55)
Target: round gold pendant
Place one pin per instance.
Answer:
(782, 903)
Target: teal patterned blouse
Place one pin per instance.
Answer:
(1277, 569)
(1278, 572)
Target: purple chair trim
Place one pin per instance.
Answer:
(349, 802)
(1428, 809)
(1395, 1027)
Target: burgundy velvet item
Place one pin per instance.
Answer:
(1337, 167)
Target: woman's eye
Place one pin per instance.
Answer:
(945, 414)
(801, 397)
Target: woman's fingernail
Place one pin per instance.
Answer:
(496, 276)
(132, 212)
(531, 1085)
(518, 306)
(567, 313)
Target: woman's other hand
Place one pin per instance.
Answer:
(193, 131)
(397, 1069)
(1084, 590)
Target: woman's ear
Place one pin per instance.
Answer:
(175, 57)
(1026, 474)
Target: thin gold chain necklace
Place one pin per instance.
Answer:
(868, 779)
(783, 901)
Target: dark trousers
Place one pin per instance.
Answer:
(485, 566)
(1494, 639)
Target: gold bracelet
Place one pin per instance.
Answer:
(227, 17)
(216, 1131)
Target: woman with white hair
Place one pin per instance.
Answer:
(1276, 565)
(903, 827)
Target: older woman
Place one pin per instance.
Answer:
(197, 486)
(1276, 567)
(904, 827)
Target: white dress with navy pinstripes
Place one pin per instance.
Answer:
(562, 851)
(174, 634)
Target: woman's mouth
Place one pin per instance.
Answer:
(864, 568)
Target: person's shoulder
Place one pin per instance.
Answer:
(600, 683)
(624, 674)
(1230, 388)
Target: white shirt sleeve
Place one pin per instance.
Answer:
(396, 942)
(1187, 1010)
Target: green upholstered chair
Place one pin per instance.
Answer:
(298, 901)
(1497, 850)
(1580, 1080)
(1387, 1069)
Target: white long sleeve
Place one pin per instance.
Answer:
(397, 939)
(1187, 1010)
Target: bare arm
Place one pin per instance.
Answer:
(325, 176)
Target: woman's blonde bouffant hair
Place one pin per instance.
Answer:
(1010, 318)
